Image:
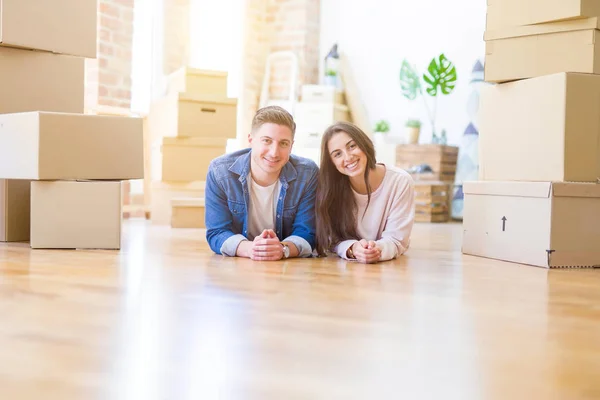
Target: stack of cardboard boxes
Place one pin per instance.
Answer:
(191, 125)
(60, 169)
(320, 106)
(538, 199)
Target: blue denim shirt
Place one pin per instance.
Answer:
(227, 198)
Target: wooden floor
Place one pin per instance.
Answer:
(166, 319)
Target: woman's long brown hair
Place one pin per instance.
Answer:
(336, 207)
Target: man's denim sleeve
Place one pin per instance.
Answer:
(304, 228)
(217, 218)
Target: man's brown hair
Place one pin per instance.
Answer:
(275, 115)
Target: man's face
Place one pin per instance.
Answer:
(271, 147)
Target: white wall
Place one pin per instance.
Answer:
(376, 35)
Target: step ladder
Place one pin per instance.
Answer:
(288, 104)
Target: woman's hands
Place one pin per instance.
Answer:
(366, 251)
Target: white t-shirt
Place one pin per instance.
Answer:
(262, 208)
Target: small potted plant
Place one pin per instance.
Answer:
(381, 128)
(413, 131)
(331, 77)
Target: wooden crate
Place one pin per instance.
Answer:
(432, 201)
(441, 158)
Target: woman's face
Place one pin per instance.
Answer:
(347, 157)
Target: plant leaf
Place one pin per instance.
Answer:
(409, 81)
(442, 76)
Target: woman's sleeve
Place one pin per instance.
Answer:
(395, 238)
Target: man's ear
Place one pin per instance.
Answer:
(250, 137)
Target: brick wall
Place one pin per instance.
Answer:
(256, 47)
(108, 77)
(294, 25)
(278, 25)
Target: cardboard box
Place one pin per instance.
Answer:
(187, 213)
(505, 13)
(541, 129)
(59, 26)
(545, 224)
(41, 145)
(322, 94)
(35, 80)
(538, 50)
(188, 115)
(198, 81)
(312, 119)
(164, 192)
(187, 159)
(76, 215)
(14, 210)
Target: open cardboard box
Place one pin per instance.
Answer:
(541, 129)
(544, 224)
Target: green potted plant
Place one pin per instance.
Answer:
(331, 77)
(382, 127)
(413, 131)
(439, 80)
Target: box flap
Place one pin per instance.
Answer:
(195, 141)
(187, 202)
(508, 188)
(541, 29)
(207, 98)
(576, 189)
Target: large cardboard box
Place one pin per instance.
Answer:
(198, 81)
(193, 115)
(76, 215)
(187, 159)
(59, 26)
(164, 192)
(14, 210)
(55, 146)
(504, 13)
(545, 224)
(35, 80)
(541, 129)
(537, 50)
